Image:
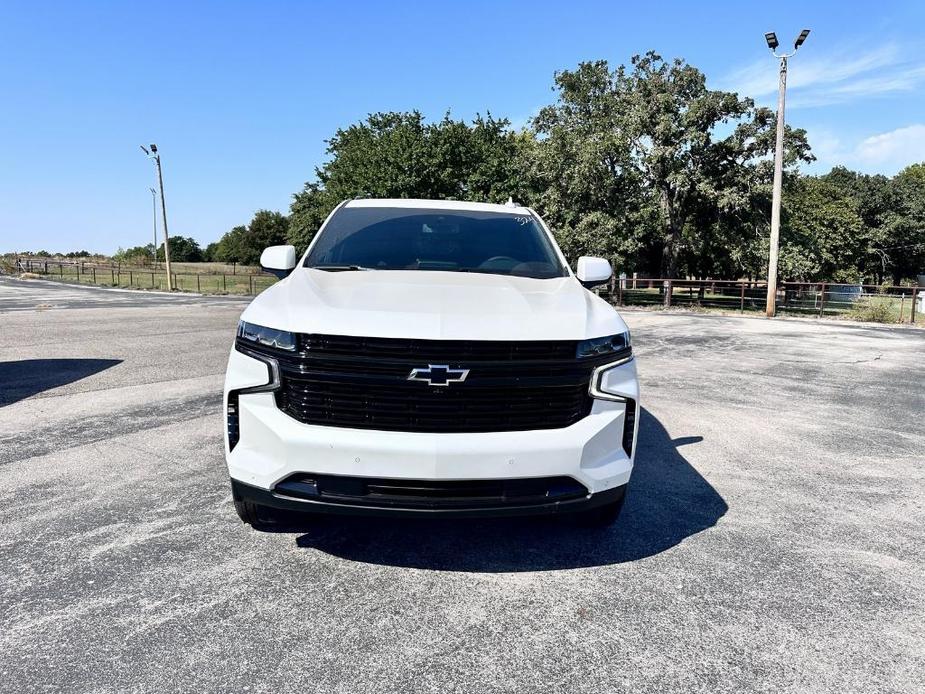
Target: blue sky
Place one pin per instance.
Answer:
(241, 96)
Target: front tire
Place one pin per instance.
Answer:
(252, 514)
(249, 512)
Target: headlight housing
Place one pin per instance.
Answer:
(618, 344)
(267, 337)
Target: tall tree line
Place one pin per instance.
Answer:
(642, 164)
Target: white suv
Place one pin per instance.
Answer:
(429, 358)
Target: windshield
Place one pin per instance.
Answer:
(389, 238)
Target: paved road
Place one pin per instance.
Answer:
(42, 295)
(773, 539)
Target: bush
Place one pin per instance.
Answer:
(873, 309)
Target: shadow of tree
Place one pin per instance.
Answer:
(667, 501)
(24, 378)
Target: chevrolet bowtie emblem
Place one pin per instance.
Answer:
(438, 375)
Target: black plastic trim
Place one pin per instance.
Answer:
(242, 491)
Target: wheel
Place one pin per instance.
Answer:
(601, 516)
(253, 514)
(249, 512)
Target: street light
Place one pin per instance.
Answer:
(771, 39)
(153, 154)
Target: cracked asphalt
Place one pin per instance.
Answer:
(773, 538)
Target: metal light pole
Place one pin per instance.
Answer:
(771, 38)
(160, 180)
(154, 210)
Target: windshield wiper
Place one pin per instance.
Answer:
(338, 268)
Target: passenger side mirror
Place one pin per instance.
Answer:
(278, 260)
(593, 271)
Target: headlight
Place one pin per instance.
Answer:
(268, 337)
(599, 346)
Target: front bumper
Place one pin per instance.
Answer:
(273, 446)
(275, 500)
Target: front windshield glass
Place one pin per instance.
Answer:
(391, 238)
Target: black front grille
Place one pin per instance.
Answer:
(362, 383)
(452, 350)
(433, 494)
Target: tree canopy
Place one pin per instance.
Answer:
(643, 164)
(244, 244)
(400, 155)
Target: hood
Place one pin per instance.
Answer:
(433, 305)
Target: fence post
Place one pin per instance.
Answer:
(224, 282)
(112, 275)
(78, 272)
(93, 269)
(250, 282)
(742, 298)
(198, 289)
(915, 295)
(61, 270)
(822, 302)
(668, 290)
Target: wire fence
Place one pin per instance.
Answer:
(146, 278)
(877, 303)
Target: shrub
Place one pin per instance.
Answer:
(873, 309)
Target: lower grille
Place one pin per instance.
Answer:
(402, 493)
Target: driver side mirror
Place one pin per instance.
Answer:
(593, 271)
(278, 260)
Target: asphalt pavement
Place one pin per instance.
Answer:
(773, 538)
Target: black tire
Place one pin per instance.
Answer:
(250, 513)
(601, 516)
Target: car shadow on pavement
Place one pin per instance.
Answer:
(667, 501)
(27, 377)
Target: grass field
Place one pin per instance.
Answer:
(203, 282)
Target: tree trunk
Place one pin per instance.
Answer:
(671, 234)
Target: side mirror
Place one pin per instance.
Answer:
(593, 271)
(278, 260)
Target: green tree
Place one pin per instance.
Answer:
(183, 249)
(244, 244)
(400, 155)
(906, 245)
(137, 255)
(640, 153)
(822, 232)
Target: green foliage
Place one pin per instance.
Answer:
(399, 155)
(642, 164)
(873, 309)
(244, 244)
(632, 161)
(183, 249)
(822, 234)
(137, 255)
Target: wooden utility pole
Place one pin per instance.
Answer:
(160, 181)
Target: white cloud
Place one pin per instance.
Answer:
(843, 76)
(885, 153)
(896, 148)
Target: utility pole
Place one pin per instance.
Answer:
(154, 210)
(771, 38)
(153, 154)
